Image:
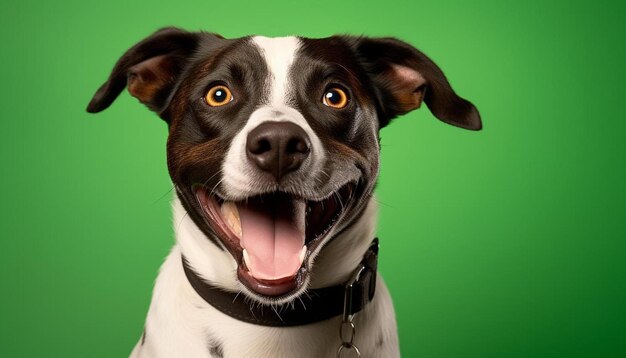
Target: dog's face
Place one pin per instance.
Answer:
(273, 143)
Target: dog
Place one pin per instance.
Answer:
(273, 150)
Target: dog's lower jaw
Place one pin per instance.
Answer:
(181, 324)
(334, 265)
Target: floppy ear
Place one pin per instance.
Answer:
(403, 77)
(150, 69)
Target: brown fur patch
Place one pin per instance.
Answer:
(146, 78)
(408, 87)
(345, 150)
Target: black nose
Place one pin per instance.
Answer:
(278, 147)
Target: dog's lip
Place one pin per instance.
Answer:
(274, 289)
(270, 288)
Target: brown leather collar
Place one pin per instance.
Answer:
(316, 306)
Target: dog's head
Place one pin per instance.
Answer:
(273, 143)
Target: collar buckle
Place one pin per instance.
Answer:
(358, 292)
(362, 286)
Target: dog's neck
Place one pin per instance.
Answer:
(333, 266)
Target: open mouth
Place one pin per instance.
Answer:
(272, 236)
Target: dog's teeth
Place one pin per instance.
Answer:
(246, 258)
(231, 216)
(302, 254)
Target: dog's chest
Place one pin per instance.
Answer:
(181, 324)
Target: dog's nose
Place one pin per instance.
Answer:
(278, 147)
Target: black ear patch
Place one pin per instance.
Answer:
(150, 68)
(403, 77)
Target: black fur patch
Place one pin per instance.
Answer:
(215, 348)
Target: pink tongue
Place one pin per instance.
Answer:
(273, 235)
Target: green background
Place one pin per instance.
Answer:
(503, 243)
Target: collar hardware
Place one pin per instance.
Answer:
(364, 278)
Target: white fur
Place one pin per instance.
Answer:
(181, 324)
(279, 54)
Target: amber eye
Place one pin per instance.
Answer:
(218, 96)
(335, 97)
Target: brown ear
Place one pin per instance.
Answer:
(407, 86)
(403, 77)
(151, 69)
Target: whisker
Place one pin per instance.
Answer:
(212, 192)
(163, 196)
(339, 198)
(275, 311)
(300, 299)
(382, 203)
(219, 171)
